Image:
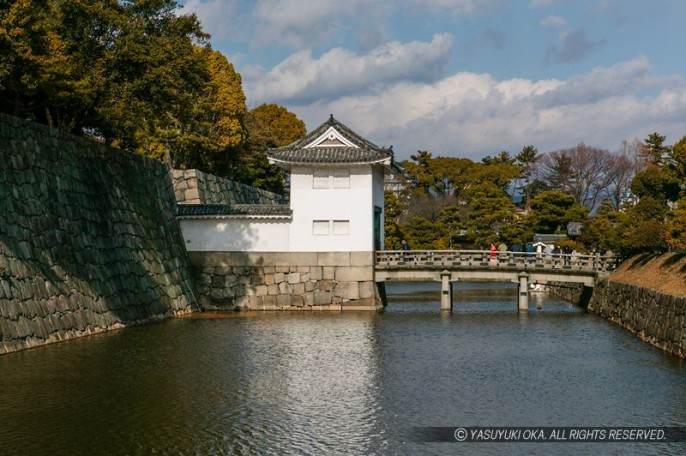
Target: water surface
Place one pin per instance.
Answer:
(342, 383)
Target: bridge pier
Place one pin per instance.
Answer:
(446, 291)
(523, 292)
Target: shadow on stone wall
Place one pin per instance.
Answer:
(88, 241)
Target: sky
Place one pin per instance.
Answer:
(463, 78)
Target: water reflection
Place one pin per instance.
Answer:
(330, 383)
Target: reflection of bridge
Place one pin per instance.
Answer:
(523, 268)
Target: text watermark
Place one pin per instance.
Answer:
(551, 434)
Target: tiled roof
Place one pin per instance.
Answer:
(232, 210)
(549, 237)
(330, 155)
(361, 151)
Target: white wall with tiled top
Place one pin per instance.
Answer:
(236, 235)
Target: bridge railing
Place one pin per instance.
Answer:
(410, 259)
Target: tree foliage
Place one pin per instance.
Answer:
(553, 210)
(122, 72)
(138, 76)
(268, 125)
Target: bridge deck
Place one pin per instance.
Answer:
(484, 260)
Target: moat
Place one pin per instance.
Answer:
(342, 383)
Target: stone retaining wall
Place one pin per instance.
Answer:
(285, 281)
(88, 241)
(655, 317)
(572, 292)
(195, 187)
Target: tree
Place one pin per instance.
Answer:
(212, 138)
(601, 232)
(552, 210)
(393, 234)
(678, 161)
(31, 52)
(655, 151)
(491, 213)
(422, 234)
(527, 159)
(450, 219)
(124, 73)
(268, 126)
(675, 227)
(622, 169)
(656, 183)
(580, 171)
(501, 174)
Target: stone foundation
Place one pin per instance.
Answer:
(285, 281)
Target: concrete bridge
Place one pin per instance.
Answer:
(522, 268)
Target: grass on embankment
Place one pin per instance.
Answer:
(662, 272)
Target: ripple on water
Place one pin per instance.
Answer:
(329, 383)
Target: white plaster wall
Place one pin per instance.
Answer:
(235, 235)
(354, 204)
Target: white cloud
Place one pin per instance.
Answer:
(469, 114)
(302, 79)
(306, 23)
(554, 21)
(219, 18)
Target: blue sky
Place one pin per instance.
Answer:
(463, 78)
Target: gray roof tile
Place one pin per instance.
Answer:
(365, 152)
(232, 210)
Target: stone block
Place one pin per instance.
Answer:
(326, 285)
(362, 259)
(357, 274)
(322, 297)
(192, 195)
(255, 302)
(283, 300)
(367, 289)
(328, 273)
(261, 290)
(298, 288)
(333, 259)
(297, 301)
(269, 301)
(285, 288)
(279, 277)
(293, 277)
(272, 289)
(347, 290)
(316, 273)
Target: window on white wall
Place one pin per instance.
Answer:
(320, 227)
(341, 179)
(320, 179)
(341, 227)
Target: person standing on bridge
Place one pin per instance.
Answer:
(494, 253)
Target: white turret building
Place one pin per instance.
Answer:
(337, 190)
(316, 251)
